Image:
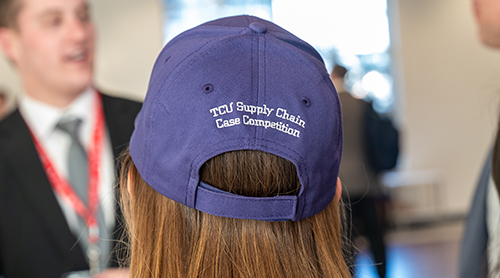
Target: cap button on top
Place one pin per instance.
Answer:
(258, 27)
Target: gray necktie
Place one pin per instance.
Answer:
(77, 164)
(77, 158)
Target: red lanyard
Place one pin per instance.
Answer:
(63, 188)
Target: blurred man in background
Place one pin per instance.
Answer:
(480, 254)
(361, 186)
(57, 150)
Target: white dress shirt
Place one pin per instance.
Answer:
(42, 119)
(493, 226)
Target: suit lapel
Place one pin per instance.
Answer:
(34, 185)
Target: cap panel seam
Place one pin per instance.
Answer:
(261, 93)
(255, 85)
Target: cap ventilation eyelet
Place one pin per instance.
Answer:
(207, 88)
(306, 102)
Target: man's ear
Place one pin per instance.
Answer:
(9, 41)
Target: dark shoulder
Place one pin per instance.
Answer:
(120, 105)
(120, 116)
(121, 102)
(10, 123)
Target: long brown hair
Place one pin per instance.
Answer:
(169, 239)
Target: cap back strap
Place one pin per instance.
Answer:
(221, 203)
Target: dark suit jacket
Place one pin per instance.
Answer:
(473, 257)
(35, 240)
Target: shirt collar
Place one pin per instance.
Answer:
(42, 117)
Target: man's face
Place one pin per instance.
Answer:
(53, 45)
(487, 13)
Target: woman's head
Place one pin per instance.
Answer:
(239, 83)
(241, 131)
(172, 240)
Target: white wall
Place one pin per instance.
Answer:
(450, 86)
(129, 38)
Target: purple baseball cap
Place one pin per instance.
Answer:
(239, 83)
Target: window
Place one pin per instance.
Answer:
(352, 33)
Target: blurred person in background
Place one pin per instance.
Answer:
(361, 185)
(480, 253)
(57, 150)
